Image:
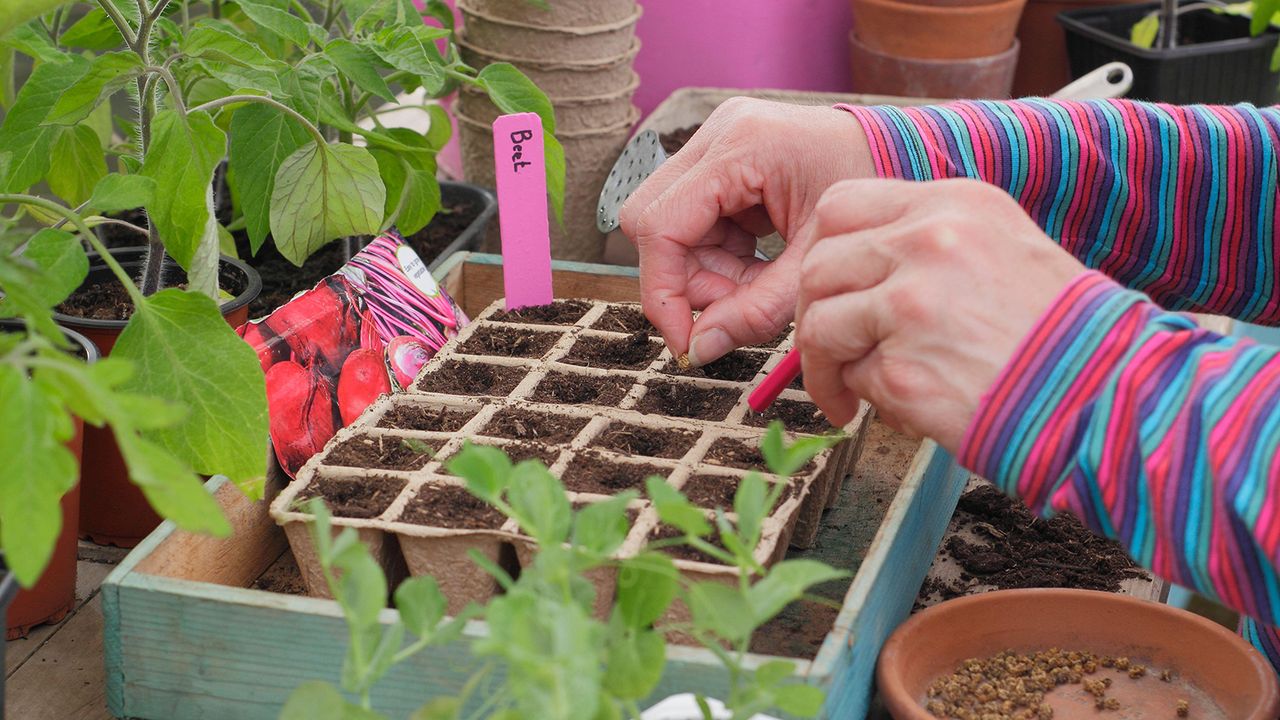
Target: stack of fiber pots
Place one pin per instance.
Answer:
(580, 53)
(934, 48)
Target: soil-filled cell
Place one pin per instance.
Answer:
(737, 366)
(521, 424)
(448, 506)
(717, 491)
(627, 439)
(633, 352)
(517, 451)
(354, 497)
(410, 416)
(592, 473)
(687, 401)
(509, 342)
(625, 319)
(684, 552)
(561, 312)
(796, 415)
(381, 452)
(573, 389)
(460, 377)
(741, 455)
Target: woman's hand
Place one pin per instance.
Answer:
(916, 295)
(754, 167)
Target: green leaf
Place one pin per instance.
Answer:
(774, 672)
(540, 503)
(513, 92)
(22, 133)
(788, 459)
(554, 156)
(386, 13)
(261, 138)
(62, 262)
(487, 470)
(211, 42)
(421, 605)
(170, 486)
(413, 192)
(323, 193)
(636, 659)
(281, 22)
(1143, 34)
(362, 588)
(438, 10)
(1263, 12)
(749, 506)
(114, 193)
(785, 583)
(94, 31)
(443, 708)
(15, 12)
(413, 50)
(601, 527)
(43, 470)
(317, 700)
(183, 155)
(33, 43)
(361, 66)
(440, 130)
(800, 700)
(647, 584)
(77, 163)
(720, 609)
(675, 510)
(107, 74)
(184, 351)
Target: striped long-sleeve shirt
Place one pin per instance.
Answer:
(1154, 432)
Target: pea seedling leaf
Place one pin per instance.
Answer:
(785, 583)
(636, 659)
(182, 349)
(421, 605)
(445, 708)
(720, 609)
(674, 509)
(317, 700)
(787, 459)
(601, 527)
(323, 192)
(774, 672)
(749, 505)
(647, 584)
(539, 503)
(799, 699)
(114, 193)
(487, 470)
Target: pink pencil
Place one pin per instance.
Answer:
(763, 396)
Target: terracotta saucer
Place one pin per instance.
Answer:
(1216, 671)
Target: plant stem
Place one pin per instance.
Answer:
(216, 9)
(117, 17)
(1168, 24)
(175, 91)
(264, 100)
(79, 224)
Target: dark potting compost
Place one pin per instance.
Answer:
(380, 452)
(426, 419)
(633, 352)
(628, 439)
(356, 498)
(594, 473)
(517, 451)
(737, 366)
(625, 319)
(508, 342)
(796, 415)
(450, 506)
(561, 312)
(520, 424)
(461, 377)
(717, 491)
(574, 389)
(678, 138)
(98, 301)
(687, 401)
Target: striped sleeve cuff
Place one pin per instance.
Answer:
(1029, 423)
(898, 147)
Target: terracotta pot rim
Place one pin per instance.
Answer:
(905, 706)
(253, 286)
(467, 10)
(934, 62)
(911, 8)
(625, 126)
(630, 89)
(551, 64)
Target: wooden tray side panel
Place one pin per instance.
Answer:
(886, 585)
(474, 280)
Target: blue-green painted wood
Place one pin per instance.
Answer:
(477, 258)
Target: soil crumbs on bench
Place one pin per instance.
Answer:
(1028, 552)
(381, 452)
(426, 419)
(689, 401)
(633, 352)
(458, 377)
(591, 473)
(521, 424)
(626, 439)
(796, 415)
(561, 312)
(508, 342)
(448, 506)
(282, 577)
(355, 497)
(573, 389)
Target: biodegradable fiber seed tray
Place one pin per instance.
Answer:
(589, 389)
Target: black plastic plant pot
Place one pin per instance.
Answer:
(469, 237)
(1215, 61)
(8, 589)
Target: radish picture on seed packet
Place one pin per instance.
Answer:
(362, 332)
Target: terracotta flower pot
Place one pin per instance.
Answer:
(1208, 663)
(113, 511)
(560, 79)
(1042, 65)
(573, 114)
(560, 13)
(589, 156)
(912, 29)
(879, 73)
(54, 594)
(549, 43)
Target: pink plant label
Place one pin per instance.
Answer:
(522, 209)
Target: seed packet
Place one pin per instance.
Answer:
(332, 350)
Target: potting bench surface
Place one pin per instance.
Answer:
(57, 673)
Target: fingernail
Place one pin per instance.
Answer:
(709, 346)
